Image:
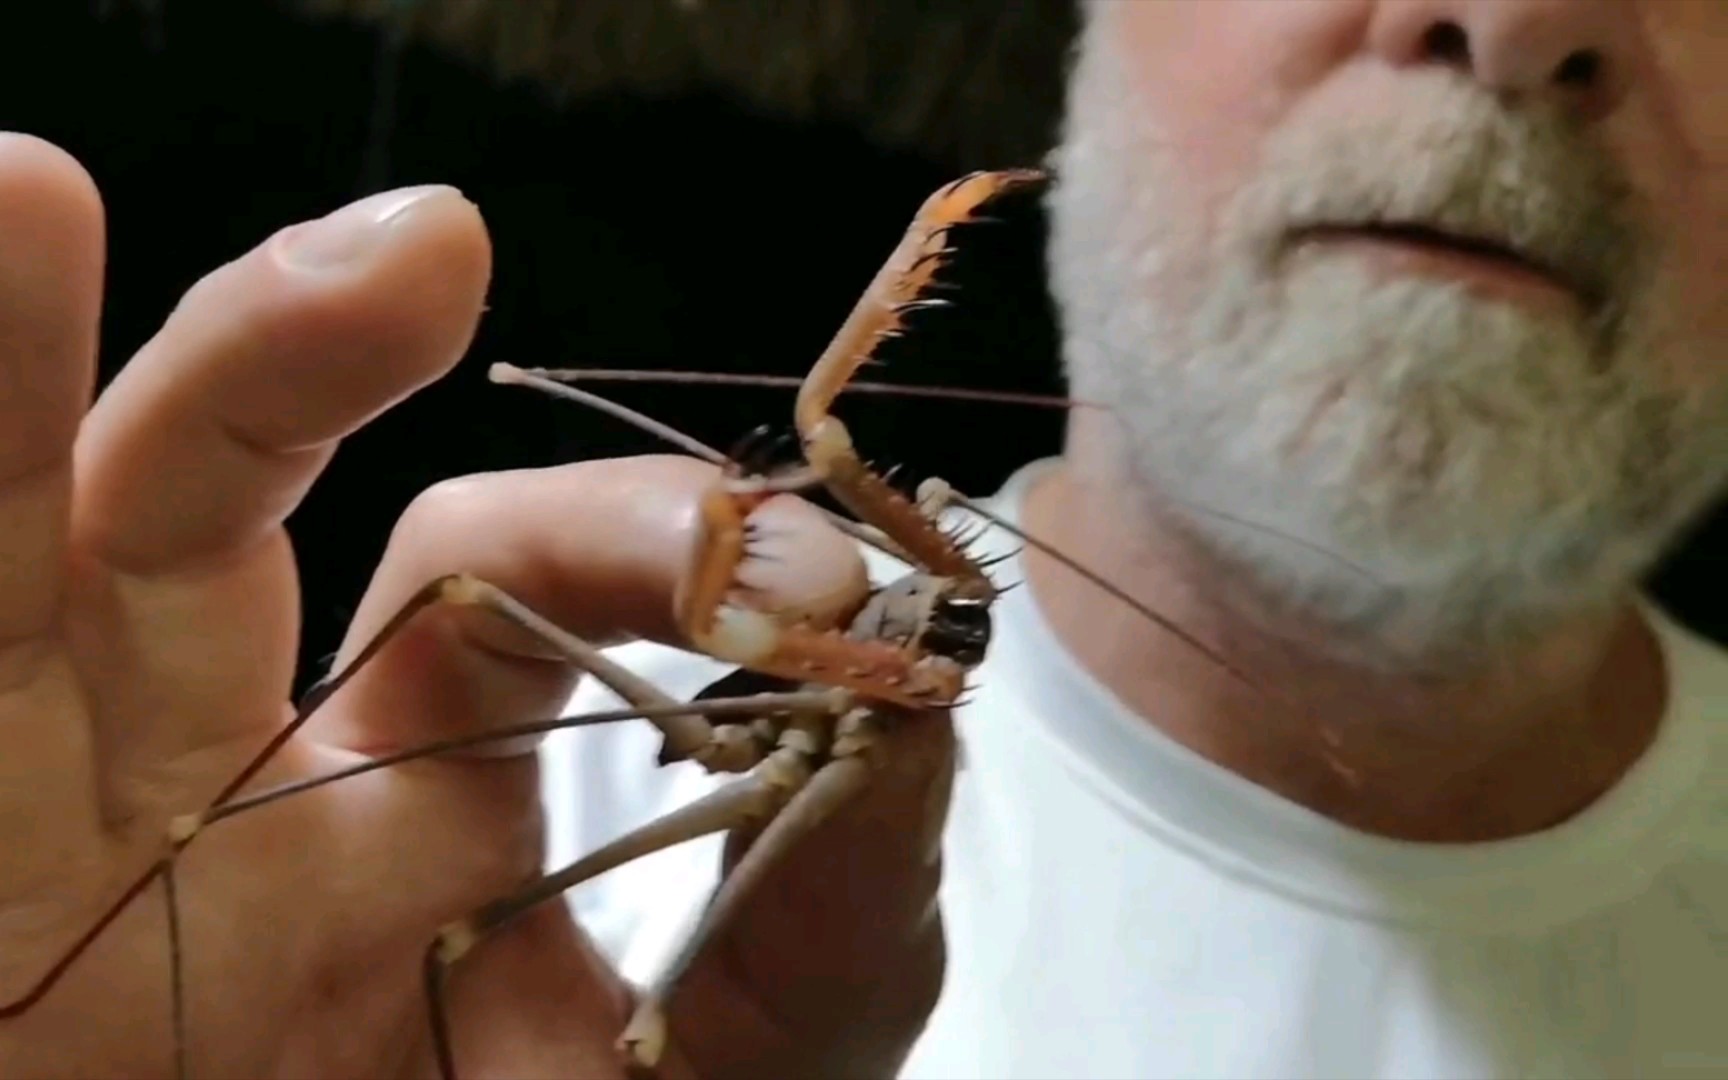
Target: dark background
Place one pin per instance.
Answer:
(689, 231)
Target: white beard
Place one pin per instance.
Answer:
(1476, 470)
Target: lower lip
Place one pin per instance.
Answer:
(1485, 275)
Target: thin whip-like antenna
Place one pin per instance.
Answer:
(555, 381)
(511, 375)
(712, 378)
(1081, 569)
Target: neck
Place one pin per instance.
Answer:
(1509, 746)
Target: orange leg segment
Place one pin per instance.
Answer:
(735, 633)
(897, 290)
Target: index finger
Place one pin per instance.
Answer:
(598, 548)
(51, 249)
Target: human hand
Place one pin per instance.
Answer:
(148, 616)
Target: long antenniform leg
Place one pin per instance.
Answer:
(683, 725)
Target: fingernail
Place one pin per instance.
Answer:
(352, 233)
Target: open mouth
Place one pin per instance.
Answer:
(1475, 257)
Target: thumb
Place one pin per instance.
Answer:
(835, 962)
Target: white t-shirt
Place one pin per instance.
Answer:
(1118, 907)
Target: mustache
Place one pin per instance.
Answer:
(1462, 164)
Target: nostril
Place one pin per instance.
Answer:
(1447, 43)
(1581, 70)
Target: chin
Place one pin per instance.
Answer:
(1403, 460)
(1416, 460)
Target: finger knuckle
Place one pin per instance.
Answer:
(449, 503)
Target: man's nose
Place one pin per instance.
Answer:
(1577, 54)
